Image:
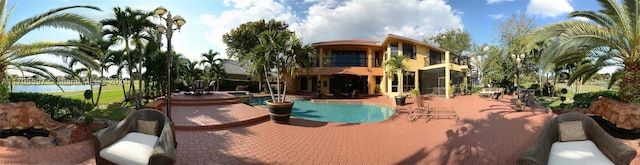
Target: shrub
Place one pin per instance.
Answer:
(88, 94)
(4, 89)
(476, 89)
(584, 100)
(557, 92)
(536, 89)
(563, 98)
(60, 108)
(564, 91)
(230, 85)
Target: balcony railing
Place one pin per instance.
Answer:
(329, 62)
(460, 60)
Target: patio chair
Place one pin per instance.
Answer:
(144, 137)
(211, 86)
(431, 112)
(198, 87)
(355, 93)
(574, 138)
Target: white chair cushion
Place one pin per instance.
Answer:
(133, 148)
(577, 152)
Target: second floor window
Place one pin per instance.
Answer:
(348, 58)
(409, 50)
(394, 48)
(435, 57)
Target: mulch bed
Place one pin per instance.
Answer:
(83, 131)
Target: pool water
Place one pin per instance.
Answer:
(335, 112)
(260, 100)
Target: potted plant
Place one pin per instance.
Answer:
(279, 55)
(395, 65)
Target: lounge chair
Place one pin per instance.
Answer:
(431, 112)
(355, 93)
(144, 137)
(574, 138)
(198, 87)
(211, 86)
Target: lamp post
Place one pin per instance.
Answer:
(170, 21)
(518, 59)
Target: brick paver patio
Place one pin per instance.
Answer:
(488, 132)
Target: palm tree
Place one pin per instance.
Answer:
(219, 74)
(150, 51)
(142, 29)
(117, 59)
(98, 49)
(215, 68)
(189, 71)
(614, 27)
(128, 25)
(282, 52)
(15, 56)
(395, 66)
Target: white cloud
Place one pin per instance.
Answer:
(243, 11)
(583, 19)
(496, 16)
(548, 8)
(338, 20)
(497, 1)
(373, 19)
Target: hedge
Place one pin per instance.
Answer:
(60, 108)
(584, 100)
(230, 85)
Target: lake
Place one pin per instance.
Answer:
(49, 88)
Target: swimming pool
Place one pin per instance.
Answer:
(335, 112)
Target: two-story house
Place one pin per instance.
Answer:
(346, 65)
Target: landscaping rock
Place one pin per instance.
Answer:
(42, 142)
(25, 115)
(15, 141)
(623, 115)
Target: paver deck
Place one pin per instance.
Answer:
(488, 132)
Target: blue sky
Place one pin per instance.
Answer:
(314, 20)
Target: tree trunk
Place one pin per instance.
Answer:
(129, 63)
(124, 91)
(100, 88)
(630, 85)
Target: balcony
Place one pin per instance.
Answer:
(361, 62)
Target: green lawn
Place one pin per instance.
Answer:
(587, 87)
(110, 94)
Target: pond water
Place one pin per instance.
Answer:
(49, 88)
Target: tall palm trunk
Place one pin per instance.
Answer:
(630, 85)
(139, 94)
(132, 88)
(100, 87)
(124, 91)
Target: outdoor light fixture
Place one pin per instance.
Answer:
(168, 31)
(518, 59)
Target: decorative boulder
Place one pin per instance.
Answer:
(623, 115)
(42, 142)
(23, 116)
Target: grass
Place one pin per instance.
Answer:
(110, 93)
(112, 113)
(587, 87)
